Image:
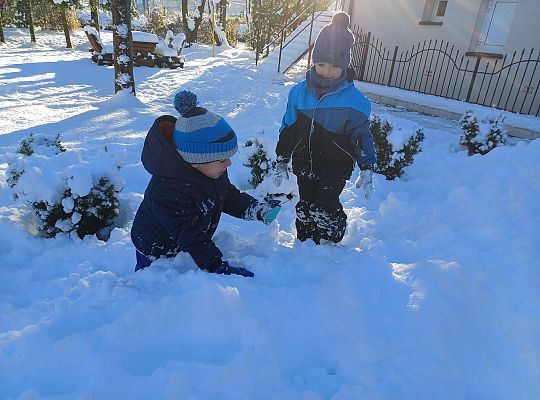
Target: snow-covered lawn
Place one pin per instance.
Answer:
(433, 294)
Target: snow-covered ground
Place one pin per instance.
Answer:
(433, 294)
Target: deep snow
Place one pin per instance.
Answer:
(433, 294)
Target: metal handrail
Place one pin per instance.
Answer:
(302, 30)
(287, 26)
(314, 5)
(311, 8)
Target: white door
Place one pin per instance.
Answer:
(497, 23)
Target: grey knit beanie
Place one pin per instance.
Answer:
(334, 42)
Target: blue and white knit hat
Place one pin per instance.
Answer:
(334, 42)
(201, 136)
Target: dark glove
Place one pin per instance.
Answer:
(269, 211)
(225, 269)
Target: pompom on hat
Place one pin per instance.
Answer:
(201, 136)
(334, 42)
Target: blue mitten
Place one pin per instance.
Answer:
(269, 211)
(225, 269)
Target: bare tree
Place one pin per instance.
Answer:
(2, 10)
(31, 21)
(63, 13)
(191, 31)
(222, 7)
(122, 40)
(94, 14)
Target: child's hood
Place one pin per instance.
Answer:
(159, 155)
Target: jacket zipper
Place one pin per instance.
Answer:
(345, 151)
(295, 147)
(313, 125)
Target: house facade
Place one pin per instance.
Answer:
(479, 51)
(491, 27)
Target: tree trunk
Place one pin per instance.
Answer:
(2, 39)
(63, 10)
(94, 14)
(122, 40)
(223, 13)
(191, 35)
(31, 22)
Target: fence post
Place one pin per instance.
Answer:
(310, 33)
(473, 78)
(364, 58)
(392, 67)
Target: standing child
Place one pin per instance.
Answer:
(325, 130)
(188, 159)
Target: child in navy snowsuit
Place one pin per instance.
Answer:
(188, 159)
(325, 131)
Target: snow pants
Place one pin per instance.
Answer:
(319, 214)
(142, 261)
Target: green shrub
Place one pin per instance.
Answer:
(85, 215)
(258, 161)
(482, 137)
(391, 162)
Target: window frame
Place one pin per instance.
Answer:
(436, 5)
(429, 14)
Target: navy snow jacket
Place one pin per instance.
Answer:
(182, 207)
(326, 136)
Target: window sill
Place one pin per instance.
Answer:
(437, 23)
(483, 54)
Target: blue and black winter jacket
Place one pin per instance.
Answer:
(326, 136)
(182, 207)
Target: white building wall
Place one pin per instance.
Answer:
(400, 22)
(525, 30)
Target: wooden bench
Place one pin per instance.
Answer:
(144, 49)
(100, 55)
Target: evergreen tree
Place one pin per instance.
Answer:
(482, 137)
(391, 162)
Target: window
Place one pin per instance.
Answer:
(440, 8)
(434, 12)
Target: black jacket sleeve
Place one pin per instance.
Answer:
(239, 204)
(287, 133)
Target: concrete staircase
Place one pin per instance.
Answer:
(296, 45)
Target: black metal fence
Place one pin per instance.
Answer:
(435, 67)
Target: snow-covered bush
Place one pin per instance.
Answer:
(395, 148)
(257, 159)
(480, 137)
(90, 214)
(40, 143)
(68, 193)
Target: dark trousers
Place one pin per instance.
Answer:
(319, 214)
(142, 261)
